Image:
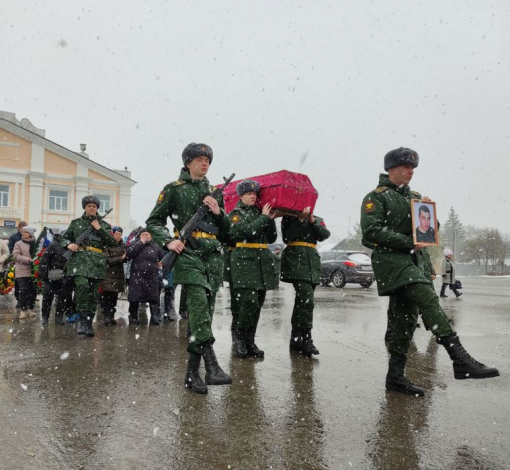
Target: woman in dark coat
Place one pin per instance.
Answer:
(144, 281)
(114, 281)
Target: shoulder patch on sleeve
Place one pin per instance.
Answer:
(161, 197)
(235, 218)
(416, 194)
(369, 206)
(178, 182)
(381, 189)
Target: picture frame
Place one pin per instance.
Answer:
(424, 222)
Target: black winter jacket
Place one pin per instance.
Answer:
(52, 258)
(144, 279)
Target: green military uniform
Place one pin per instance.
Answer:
(253, 267)
(88, 265)
(301, 264)
(399, 270)
(200, 270)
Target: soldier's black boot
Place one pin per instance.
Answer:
(134, 316)
(443, 289)
(296, 340)
(389, 331)
(193, 379)
(214, 375)
(44, 319)
(154, 308)
(251, 348)
(464, 366)
(397, 381)
(82, 323)
(242, 338)
(89, 331)
(309, 348)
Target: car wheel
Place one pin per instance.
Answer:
(366, 285)
(338, 279)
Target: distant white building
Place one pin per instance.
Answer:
(43, 182)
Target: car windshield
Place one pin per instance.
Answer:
(360, 258)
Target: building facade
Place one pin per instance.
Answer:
(43, 182)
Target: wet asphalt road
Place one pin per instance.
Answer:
(117, 401)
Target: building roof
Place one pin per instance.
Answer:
(27, 130)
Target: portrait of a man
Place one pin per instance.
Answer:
(424, 222)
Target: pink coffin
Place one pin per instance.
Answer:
(283, 190)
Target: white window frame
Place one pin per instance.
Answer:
(2, 193)
(58, 198)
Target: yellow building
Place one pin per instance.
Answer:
(43, 183)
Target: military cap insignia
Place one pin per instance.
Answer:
(160, 197)
(369, 207)
(235, 219)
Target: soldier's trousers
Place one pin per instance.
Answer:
(234, 299)
(63, 290)
(200, 310)
(409, 301)
(250, 302)
(302, 314)
(86, 292)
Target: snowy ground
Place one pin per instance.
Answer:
(117, 401)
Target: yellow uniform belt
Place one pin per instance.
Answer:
(91, 248)
(198, 234)
(309, 245)
(251, 245)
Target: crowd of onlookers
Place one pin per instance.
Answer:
(133, 264)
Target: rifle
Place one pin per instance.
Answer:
(85, 235)
(191, 226)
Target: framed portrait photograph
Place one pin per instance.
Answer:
(424, 220)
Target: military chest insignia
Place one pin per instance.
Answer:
(369, 207)
(235, 219)
(161, 197)
(381, 189)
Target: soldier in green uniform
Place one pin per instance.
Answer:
(87, 266)
(301, 265)
(200, 270)
(253, 269)
(398, 268)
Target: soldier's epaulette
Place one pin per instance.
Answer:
(177, 183)
(381, 189)
(416, 195)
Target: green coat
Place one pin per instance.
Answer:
(180, 200)
(301, 263)
(227, 255)
(252, 268)
(86, 263)
(387, 229)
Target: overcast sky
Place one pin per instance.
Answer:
(265, 82)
